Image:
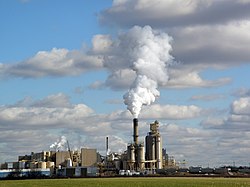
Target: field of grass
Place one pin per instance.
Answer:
(130, 182)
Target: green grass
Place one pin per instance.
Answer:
(130, 182)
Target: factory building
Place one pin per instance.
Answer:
(60, 163)
(139, 158)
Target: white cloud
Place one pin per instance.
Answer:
(59, 100)
(57, 62)
(97, 85)
(171, 112)
(101, 43)
(224, 45)
(241, 106)
(30, 121)
(83, 128)
(212, 122)
(170, 13)
(238, 118)
(186, 76)
(205, 146)
(51, 111)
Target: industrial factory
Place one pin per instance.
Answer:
(140, 158)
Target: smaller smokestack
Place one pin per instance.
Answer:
(136, 134)
(107, 145)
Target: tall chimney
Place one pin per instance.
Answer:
(107, 145)
(135, 123)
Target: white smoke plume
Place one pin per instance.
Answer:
(60, 144)
(148, 53)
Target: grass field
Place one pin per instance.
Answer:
(130, 182)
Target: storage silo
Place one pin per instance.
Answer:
(131, 156)
(141, 156)
(158, 151)
(42, 165)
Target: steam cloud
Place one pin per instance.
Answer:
(148, 53)
(60, 144)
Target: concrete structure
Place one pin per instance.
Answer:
(88, 157)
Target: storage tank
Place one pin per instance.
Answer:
(158, 152)
(131, 153)
(42, 165)
(141, 157)
(131, 156)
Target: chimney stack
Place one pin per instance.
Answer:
(107, 145)
(135, 123)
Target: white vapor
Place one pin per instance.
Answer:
(148, 52)
(60, 144)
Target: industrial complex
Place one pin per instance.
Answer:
(140, 158)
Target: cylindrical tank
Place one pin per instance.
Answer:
(141, 157)
(42, 165)
(131, 153)
(150, 147)
(158, 152)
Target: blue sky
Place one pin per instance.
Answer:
(57, 76)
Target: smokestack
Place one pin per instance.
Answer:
(136, 134)
(107, 144)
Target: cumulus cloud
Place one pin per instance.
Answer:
(241, 106)
(173, 112)
(182, 75)
(238, 118)
(224, 45)
(101, 43)
(205, 146)
(186, 77)
(57, 62)
(44, 119)
(172, 13)
(206, 34)
(52, 110)
(194, 144)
